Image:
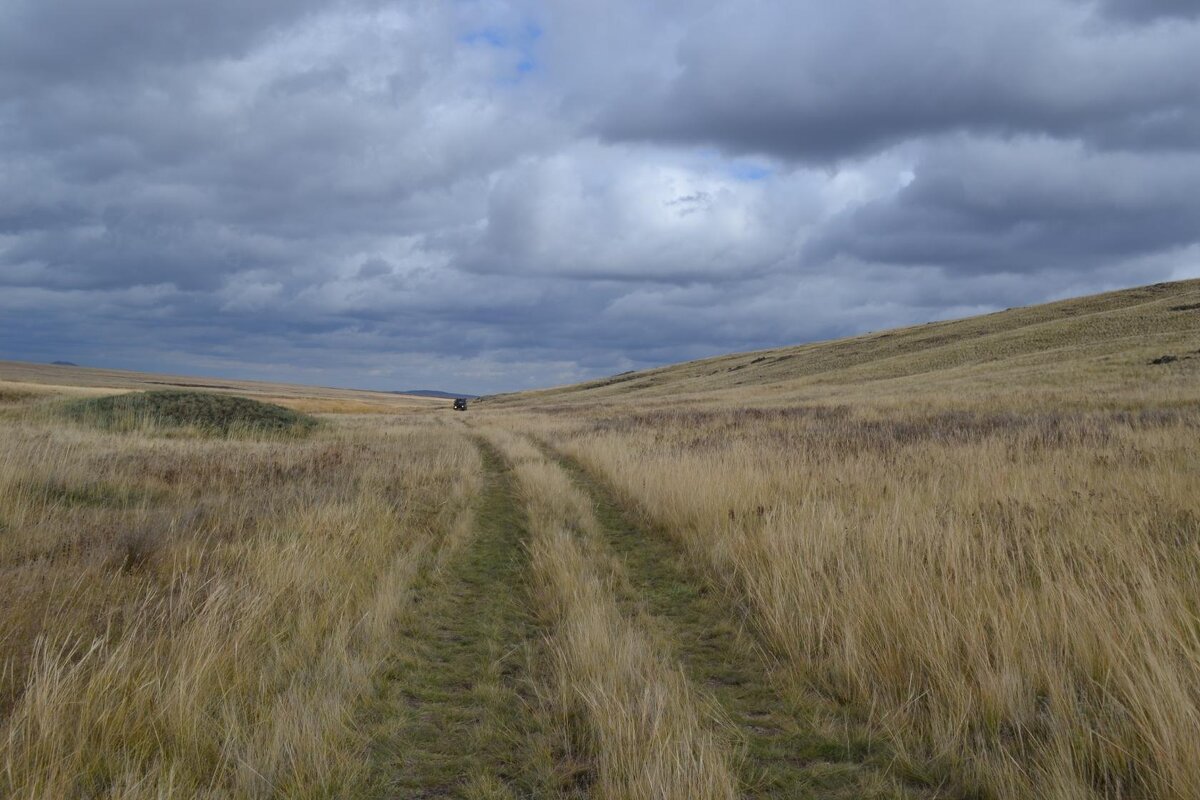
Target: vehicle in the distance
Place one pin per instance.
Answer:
(460, 404)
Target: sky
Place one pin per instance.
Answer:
(488, 196)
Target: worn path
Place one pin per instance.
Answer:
(454, 716)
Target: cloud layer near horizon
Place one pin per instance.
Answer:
(496, 195)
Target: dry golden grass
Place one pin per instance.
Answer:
(321, 405)
(201, 617)
(1016, 602)
(19, 392)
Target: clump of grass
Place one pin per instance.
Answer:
(219, 414)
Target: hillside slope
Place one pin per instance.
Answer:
(1107, 341)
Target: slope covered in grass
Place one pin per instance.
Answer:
(215, 413)
(1100, 340)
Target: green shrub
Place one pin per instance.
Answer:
(219, 414)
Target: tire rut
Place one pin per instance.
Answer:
(455, 716)
(785, 752)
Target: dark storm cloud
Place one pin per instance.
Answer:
(1025, 206)
(820, 82)
(507, 193)
(83, 40)
(1145, 10)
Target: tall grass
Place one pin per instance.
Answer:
(200, 617)
(1015, 598)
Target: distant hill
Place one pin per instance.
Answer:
(1148, 336)
(437, 394)
(63, 364)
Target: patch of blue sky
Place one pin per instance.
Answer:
(492, 37)
(736, 167)
(520, 40)
(750, 171)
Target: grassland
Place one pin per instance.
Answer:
(954, 560)
(204, 617)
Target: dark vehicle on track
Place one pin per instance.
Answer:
(460, 404)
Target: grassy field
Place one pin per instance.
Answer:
(957, 560)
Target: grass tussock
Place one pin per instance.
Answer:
(1012, 598)
(207, 618)
(625, 708)
(206, 412)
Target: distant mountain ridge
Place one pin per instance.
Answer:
(436, 393)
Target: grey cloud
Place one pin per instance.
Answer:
(374, 268)
(90, 40)
(1027, 206)
(1148, 10)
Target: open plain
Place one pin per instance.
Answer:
(960, 559)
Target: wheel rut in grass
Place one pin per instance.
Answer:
(455, 716)
(787, 753)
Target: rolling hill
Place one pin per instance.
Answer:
(1116, 341)
(436, 393)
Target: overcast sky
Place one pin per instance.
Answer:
(486, 196)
